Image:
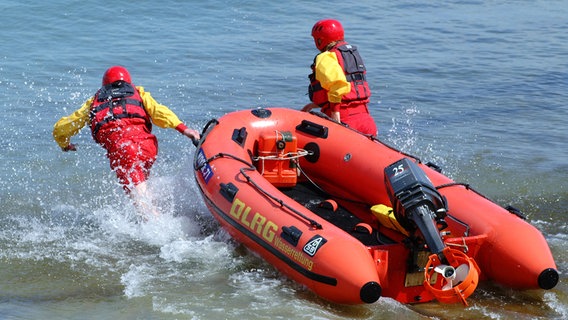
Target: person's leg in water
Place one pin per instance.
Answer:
(132, 163)
(144, 201)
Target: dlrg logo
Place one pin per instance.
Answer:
(314, 244)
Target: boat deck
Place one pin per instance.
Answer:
(314, 199)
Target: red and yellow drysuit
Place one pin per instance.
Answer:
(338, 84)
(120, 119)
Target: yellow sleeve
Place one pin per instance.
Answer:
(331, 76)
(161, 115)
(70, 125)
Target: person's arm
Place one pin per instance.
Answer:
(70, 125)
(332, 78)
(309, 107)
(335, 115)
(163, 117)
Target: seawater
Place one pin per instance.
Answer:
(477, 87)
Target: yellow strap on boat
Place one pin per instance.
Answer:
(387, 218)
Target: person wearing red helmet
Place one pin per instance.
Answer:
(121, 116)
(338, 82)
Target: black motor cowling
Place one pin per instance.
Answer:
(416, 202)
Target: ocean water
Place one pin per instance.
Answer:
(478, 87)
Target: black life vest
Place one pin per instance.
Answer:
(355, 72)
(115, 103)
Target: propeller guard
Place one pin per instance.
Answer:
(462, 290)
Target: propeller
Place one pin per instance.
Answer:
(452, 275)
(460, 282)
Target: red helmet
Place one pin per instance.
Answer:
(116, 73)
(327, 31)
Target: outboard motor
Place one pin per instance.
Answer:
(418, 205)
(416, 202)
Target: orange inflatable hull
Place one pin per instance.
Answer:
(251, 164)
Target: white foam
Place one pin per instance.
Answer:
(205, 250)
(551, 299)
(135, 280)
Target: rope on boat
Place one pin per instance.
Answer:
(251, 167)
(509, 208)
(464, 245)
(290, 156)
(287, 156)
(312, 222)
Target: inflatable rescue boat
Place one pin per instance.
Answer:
(354, 219)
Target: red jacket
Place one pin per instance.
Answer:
(355, 72)
(115, 107)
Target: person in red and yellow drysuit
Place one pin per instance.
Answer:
(120, 116)
(338, 83)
